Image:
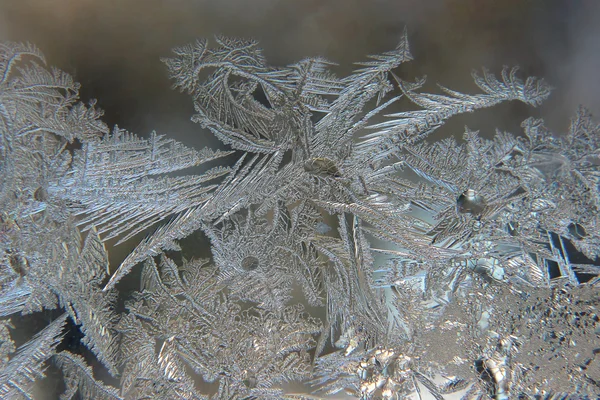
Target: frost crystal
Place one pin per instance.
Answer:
(456, 267)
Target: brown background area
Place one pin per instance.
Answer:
(113, 46)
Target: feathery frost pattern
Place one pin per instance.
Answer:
(459, 267)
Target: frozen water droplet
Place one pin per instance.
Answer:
(322, 228)
(470, 203)
(322, 167)
(250, 263)
(40, 194)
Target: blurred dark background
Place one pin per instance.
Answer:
(113, 48)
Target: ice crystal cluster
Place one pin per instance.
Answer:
(445, 269)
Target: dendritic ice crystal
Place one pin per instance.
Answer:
(351, 254)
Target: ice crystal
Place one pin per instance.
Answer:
(459, 266)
